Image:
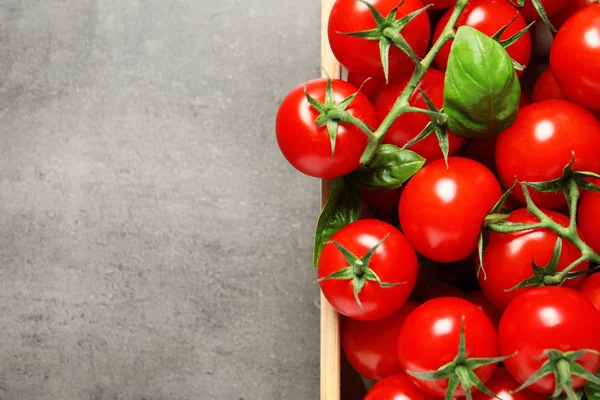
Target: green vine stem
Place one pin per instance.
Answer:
(401, 106)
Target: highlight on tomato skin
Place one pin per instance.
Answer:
(397, 387)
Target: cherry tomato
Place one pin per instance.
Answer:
(441, 289)
(539, 145)
(370, 88)
(503, 385)
(306, 146)
(570, 8)
(441, 4)
(383, 204)
(488, 16)
(396, 387)
(362, 56)
(546, 318)
(477, 297)
(429, 340)
(394, 261)
(550, 6)
(591, 289)
(575, 57)
(371, 347)
(442, 210)
(409, 125)
(588, 217)
(546, 88)
(508, 258)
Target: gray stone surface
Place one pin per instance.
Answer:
(153, 242)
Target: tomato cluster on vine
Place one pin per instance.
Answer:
(461, 237)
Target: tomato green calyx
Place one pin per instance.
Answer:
(563, 365)
(388, 31)
(539, 7)
(331, 114)
(544, 275)
(506, 43)
(358, 269)
(460, 371)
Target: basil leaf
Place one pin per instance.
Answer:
(341, 209)
(592, 391)
(389, 169)
(481, 88)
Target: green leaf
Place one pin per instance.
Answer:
(341, 209)
(592, 391)
(482, 91)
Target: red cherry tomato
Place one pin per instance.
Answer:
(570, 8)
(429, 340)
(488, 16)
(383, 204)
(370, 88)
(306, 146)
(362, 56)
(507, 259)
(441, 4)
(396, 387)
(477, 297)
(591, 289)
(371, 347)
(394, 261)
(546, 318)
(503, 385)
(441, 289)
(588, 217)
(442, 210)
(575, 57)
(409, 125)
(540, 143)
(546, 88)
(550, 6)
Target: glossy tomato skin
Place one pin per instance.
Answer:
(488, 16)
(588, 218)
(409, 125)
(306, 146)
(394, 261)
(570, 8)
(503, 385)
(429, 340)
(371, 347)
(397, 387)
(442, 210)
(591, 289)
(575, 57)
(507, 259)
(550, 6)
(370, 86)
(546, 318)
(478, 298)
(540, 143)
(546, 88)
(362, 56)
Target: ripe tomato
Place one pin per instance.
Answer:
(441, 289)
(588, 217)
(370, 88)
(383, 204)
(306, 146)
(546, 88)
(550, 6)
(371, 347)
(362, 56)
(441, 4)
(488, 16)
(442, 210)
(430, 335)
(575, 57)
(508, 258)
(477, 297)
(546, 318)
(409, 125)
(396, 387)
(570, 8)
(503, 385)
(394, 261)
(540, 143)
(591, 289)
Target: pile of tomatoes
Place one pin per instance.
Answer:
(462, 260)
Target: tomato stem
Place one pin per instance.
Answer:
(347, 118)
(401, 106)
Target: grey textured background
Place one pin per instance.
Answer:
(154, 244)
